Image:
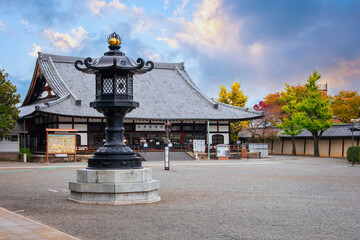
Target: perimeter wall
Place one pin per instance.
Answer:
(327, 147)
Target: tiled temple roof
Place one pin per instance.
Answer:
(165, 93)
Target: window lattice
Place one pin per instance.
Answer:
(130, 86)
(107, 86)
(120, 85)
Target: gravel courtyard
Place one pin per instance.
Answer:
(281, 197)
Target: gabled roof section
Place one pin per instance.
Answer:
(165, 93)
(47, 77)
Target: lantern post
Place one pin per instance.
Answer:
(114, 171)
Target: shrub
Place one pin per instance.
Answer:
(25, 151)
(356, 151)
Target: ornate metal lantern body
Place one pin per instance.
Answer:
(114, 98)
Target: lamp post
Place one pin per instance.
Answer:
(114, 175)
(114, 98)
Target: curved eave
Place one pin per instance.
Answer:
(32, 84)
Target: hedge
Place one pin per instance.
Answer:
(356, 150)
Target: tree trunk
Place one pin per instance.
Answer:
(316, 145)
(293, 145)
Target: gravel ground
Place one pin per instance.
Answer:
(277, 198)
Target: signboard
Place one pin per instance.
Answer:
(223, 151)
(202, 149)
(60, 144)
(195, 149)
(149, 127)
(199, 146)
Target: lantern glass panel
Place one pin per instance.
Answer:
(121, 85)
(108, 86)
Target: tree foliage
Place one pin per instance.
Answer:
(223, 95)
(290, 100)
(314, 111)
(346, 105)
(277, 103)
(8, 100)
(262, 129)
(235, 97)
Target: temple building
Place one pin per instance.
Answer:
(59, 97)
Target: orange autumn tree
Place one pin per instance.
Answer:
(346, 105)
(276, 103)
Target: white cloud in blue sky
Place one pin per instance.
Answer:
(262, 44)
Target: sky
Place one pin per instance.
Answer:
(261, 44)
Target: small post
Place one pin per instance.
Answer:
(75, 148)
(167, 151)
(352, 143)
(47, 146)
(208, 137)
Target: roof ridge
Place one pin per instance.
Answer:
(72, 59)
(240, 108)
(73, 96)
(192, 84)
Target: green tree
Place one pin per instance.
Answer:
(8, 100)
(314, 111)
(289, 125)
(346, 105)
(236, 98)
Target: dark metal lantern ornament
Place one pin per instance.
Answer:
(114, 98)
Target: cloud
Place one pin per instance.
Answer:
(166, 4)
(256, 51)
(96, 6)
(138, 10)
(118, 4)
(173, 43)
(180, 9)
(152, 56)
(36, 49)
(141, 26)
(209, 30)
(24, 22)
(65, 41)
(2, 26)
(345, 75)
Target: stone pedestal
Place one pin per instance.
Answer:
(114, 187)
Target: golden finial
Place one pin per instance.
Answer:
(114, 39)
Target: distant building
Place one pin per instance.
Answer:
(59, 97)
(10, 144)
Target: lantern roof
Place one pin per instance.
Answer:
(114, 60)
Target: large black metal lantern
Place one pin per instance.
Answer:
(114, 98)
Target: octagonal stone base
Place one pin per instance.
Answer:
(114, 187)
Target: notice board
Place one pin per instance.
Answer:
(61, 144)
